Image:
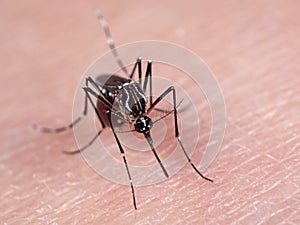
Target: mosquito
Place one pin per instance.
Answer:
(126, 99)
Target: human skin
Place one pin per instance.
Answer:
(253, 49)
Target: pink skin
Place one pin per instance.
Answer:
(252, 47)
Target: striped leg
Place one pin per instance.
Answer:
(171, 89)
(61, 129)
(64, 128)
(110, 42)
(125, 162)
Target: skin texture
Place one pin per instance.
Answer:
(253, 49)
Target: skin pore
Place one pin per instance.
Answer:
(253, 50)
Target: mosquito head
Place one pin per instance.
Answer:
(143, 124)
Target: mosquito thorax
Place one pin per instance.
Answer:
(143, 124)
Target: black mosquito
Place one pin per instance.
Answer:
(133, 105)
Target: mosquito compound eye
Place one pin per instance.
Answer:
(143, 124)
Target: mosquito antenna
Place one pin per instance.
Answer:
(110, 42)
(164, 116)
(167, 113)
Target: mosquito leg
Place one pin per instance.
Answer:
(86, 146)
(111, 42)
(124, 159)
(96, 136)
(171, 89)
(55, 130)
(148, 75)
(68, 127)
(98, 96)
(139, 65)
(88, 91)
(99, 132)
(190, 161)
